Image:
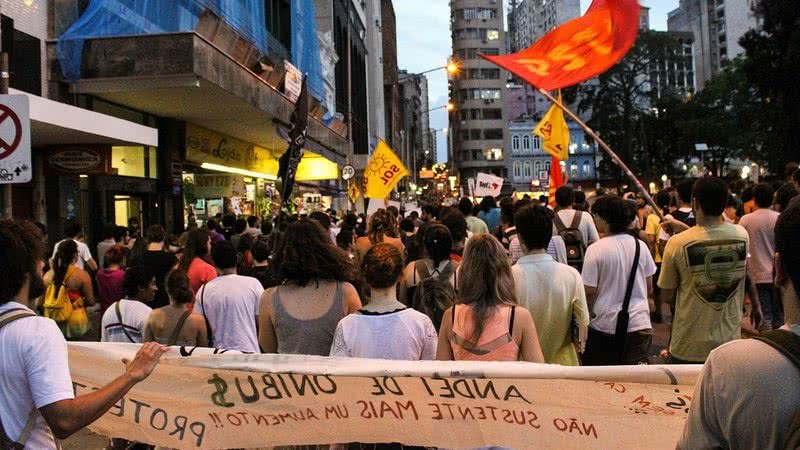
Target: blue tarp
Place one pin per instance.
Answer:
(305, 46)
(105, 18)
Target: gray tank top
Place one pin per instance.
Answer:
(307, 337)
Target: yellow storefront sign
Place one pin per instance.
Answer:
(207, 146)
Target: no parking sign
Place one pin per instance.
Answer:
(15, 139)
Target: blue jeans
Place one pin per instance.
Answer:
(771, 307)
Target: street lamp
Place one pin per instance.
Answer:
(452, 68)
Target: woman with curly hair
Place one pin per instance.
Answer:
(300, 316)
(382, 228)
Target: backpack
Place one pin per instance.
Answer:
(5, 441)
(573, 239)
(57, 304)
(788, 344)
(433, 295)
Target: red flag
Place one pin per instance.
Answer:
(556, 180)
(579, 49)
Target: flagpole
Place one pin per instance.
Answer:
(607, 149)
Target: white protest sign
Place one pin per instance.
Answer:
(245, 401)
(487, 185)
(15, 139)
(471, 187)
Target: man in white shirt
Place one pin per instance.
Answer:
(743, 376)
(606, 270)
(474, 224)
(760, 226)
(35, 385)
(551, 291)
(124, 321)
(74, 230)
(230, 303)
(565, 197)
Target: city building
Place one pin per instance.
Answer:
(391, 88)
(188, 121)
(415, 130)
(375, 78)
(672, 71)
(530, 164)
(717, 26)
(529, 20)
(477, 126)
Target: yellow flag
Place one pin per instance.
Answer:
(554, 131)
(383, 172)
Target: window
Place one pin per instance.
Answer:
(493, 134)
(547, 166)
(475, 135)
(572, 148)
(526, 142)
(24, 58)
(573, 169)
(587, 169)
(490, 51)
(476, 155)
(490, 94)
(526, 169)
(279, 19)
(517, 169)
(493, 154)
(537, 142)
(492, 114)
(492, 35)
(478, 13)
(537, 166)
(515, 142)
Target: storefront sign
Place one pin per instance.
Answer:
(218, 186)
(15, 140)
(426, 174)
(206, 146)
(198, 400)
(83, 159)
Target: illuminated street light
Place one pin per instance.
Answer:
(452, 68)
(450, 106)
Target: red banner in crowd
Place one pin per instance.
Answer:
(556, 180)
(579, 49)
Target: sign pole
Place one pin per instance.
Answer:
(4, 82)
(608, 150)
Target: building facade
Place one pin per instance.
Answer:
(391, 88)
(672, 72)
(415, 129)
(529, 20)
(530, 164)
(716, 26)
(477, 126)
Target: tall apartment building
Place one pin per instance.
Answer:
(717, 26)
(415, 130)
(672, 71)
(529, 20)
(478, 126)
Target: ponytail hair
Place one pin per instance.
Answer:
(438, 244)
(65, 256)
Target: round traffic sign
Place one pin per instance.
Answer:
(7, 148)
(348, 172)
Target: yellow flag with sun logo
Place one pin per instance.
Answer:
(383, 172)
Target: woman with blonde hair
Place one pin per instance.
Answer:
(382, 229)
(486, 324)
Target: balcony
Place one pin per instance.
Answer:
(186, 76)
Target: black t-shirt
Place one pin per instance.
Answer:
(160, 263)
(265, 275)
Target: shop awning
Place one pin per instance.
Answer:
(55, 123)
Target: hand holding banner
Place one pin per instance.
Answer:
(383, 172)
(578, 50)
(554, 131)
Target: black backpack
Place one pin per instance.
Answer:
(573, 239)
(788, 344)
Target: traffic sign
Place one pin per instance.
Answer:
(15, 140)
(348, 172)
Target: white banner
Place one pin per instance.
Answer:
(487, 185)
(246, 401)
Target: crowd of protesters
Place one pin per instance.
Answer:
(580, 282)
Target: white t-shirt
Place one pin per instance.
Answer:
(34, 372)
(102, 248)
(134, 317)
(230, 304)
(406, 335)
(760, 226)
(84, 254)
(606, 267)
(557, 249)
(586, 227)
